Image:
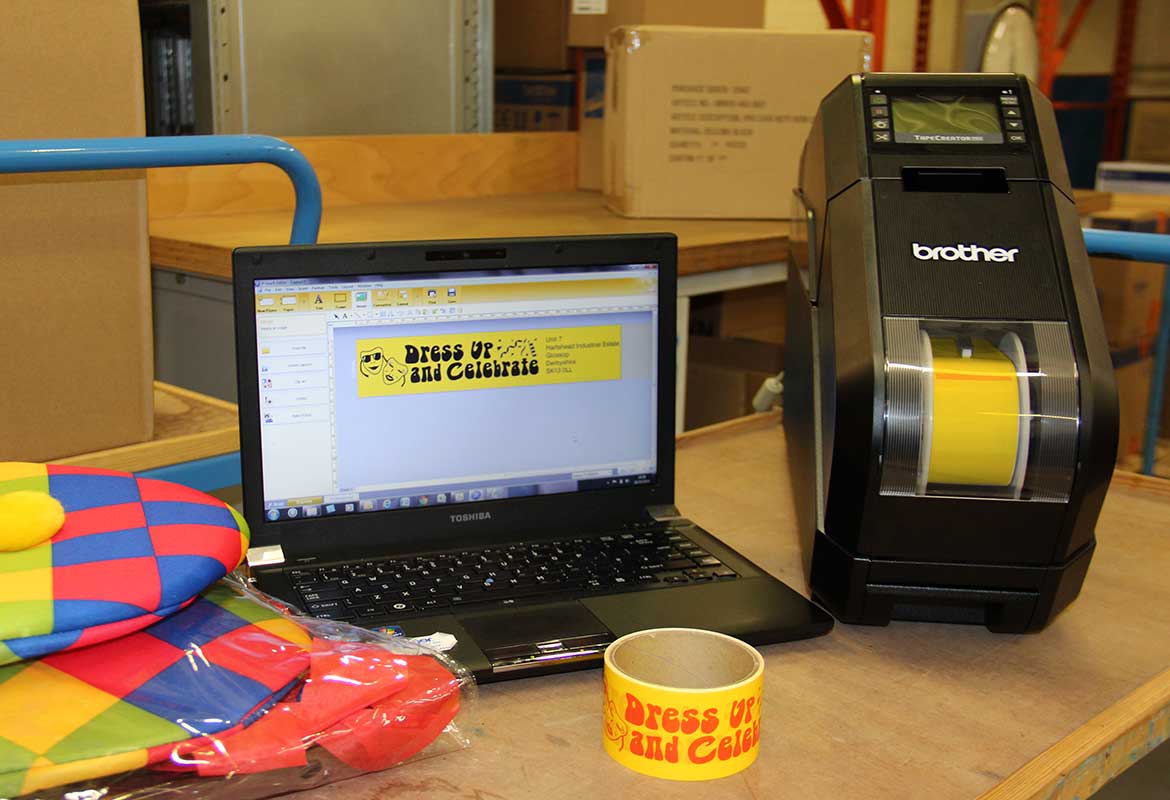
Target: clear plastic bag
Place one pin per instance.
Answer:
(281, 703)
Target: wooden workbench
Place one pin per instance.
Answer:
(909, 711)
(203, 244)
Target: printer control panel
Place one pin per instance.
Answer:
(901, 119)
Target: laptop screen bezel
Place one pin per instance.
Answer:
(379, 533)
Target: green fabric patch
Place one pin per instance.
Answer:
(242, 607)
(39, 557)
(119, 728)
(241, 523)
(14, 762)
(25, 618)
(36, 483)
(11, 671)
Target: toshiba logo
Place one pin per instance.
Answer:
(477, 516)
(964, 252)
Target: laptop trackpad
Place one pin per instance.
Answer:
(541, 636)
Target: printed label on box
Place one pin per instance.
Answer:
(710, 123)
(590, 7)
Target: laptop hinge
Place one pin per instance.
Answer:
(663, 513)
(267, 556)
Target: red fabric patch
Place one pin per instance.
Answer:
(156, 490)
(64, 469)
(123, 580)
(113, 630)
(243, 649)
(197, 540)
(103, 519)
(122, 669)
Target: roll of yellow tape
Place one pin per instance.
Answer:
(682, 703)
(975, 420)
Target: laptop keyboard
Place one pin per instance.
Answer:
(372, 592)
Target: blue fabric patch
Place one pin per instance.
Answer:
(166, 512)
(181, 577)
(79, 492)
(70, 616)
(37, 646)
(131, 543)
(200, 623)
(200, 697)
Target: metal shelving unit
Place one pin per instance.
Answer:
(305, 68)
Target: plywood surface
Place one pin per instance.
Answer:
(370, 170)
(187, 426)
(909, 711)
(203, 244)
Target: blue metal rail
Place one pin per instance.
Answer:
(73, 155)
(79, 155)
(1143, 247)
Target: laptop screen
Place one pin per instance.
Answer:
(387, 392)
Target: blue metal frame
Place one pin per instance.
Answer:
(77, 155)
(71, 155)
(1143, 247)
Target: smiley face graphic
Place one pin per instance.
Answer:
(371, 362)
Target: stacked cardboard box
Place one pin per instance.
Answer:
(711, 122)
(1130, 294)
(723, 376)
(76, 348)
(533, 101)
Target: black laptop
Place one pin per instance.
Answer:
(477, 438)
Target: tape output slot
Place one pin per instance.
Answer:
(984, 180)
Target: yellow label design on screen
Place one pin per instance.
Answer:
(488, 360)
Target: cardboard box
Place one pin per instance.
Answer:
(1130, 219)
(533, 101)
(723, 376)
(757, 313)
(1130, 294)
(532, 34)
(1137, 177)
(590, 21)
(710, 122)
(1148, 122)
(1133, 369)
(76, 348)
(591, 119)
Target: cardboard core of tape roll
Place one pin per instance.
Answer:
(682, 703)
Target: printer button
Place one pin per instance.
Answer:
(879, 111)
(881, 136)
(1011, 112)
(881, 124)
(1009, 100)
(1017, 138)
(1014, 124)
(878, 100)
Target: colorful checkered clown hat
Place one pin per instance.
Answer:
(87, 555)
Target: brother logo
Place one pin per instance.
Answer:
(964, 252)
(471, 517)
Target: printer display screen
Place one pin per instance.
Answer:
(923, 119)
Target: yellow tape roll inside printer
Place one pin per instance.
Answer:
(950, 406)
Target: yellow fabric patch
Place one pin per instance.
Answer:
(286, 629)
(22, 697)
(13, 470)
(44, 774)
(25, 585)
(28, 518)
